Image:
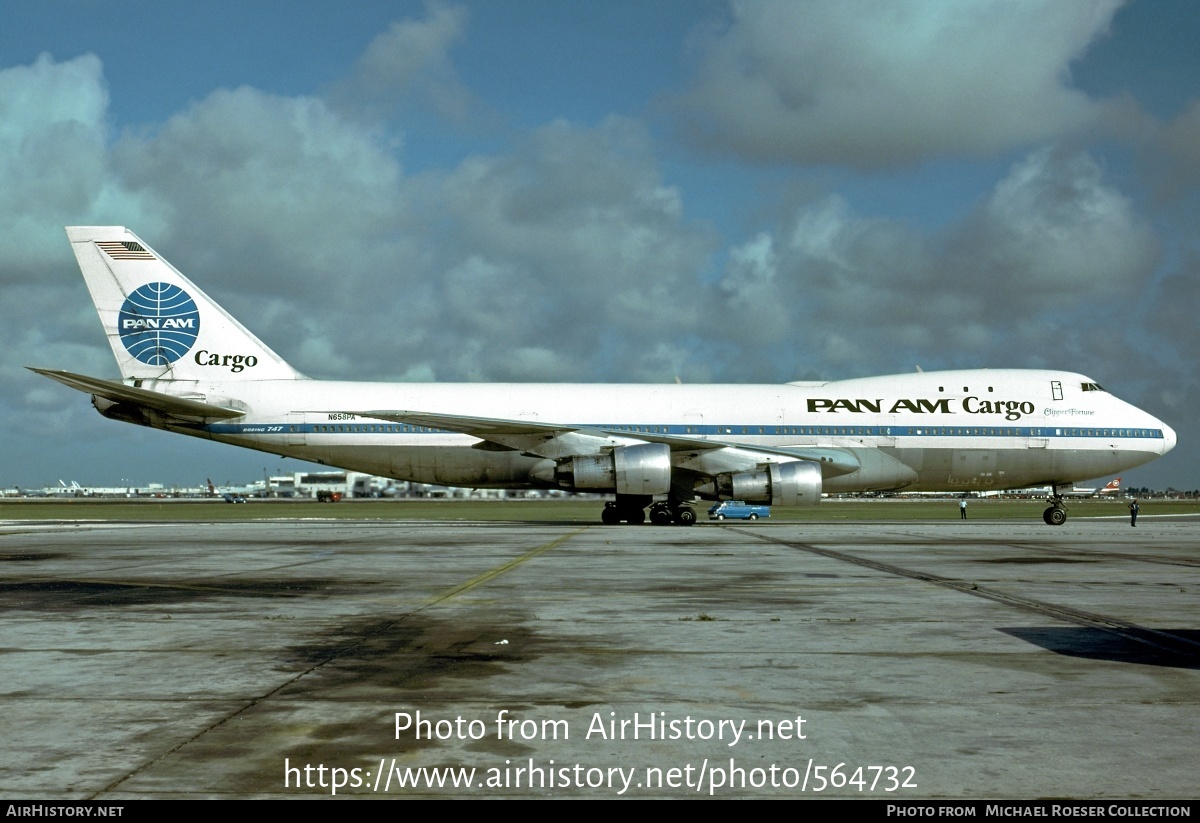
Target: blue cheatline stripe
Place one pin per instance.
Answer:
(342, 428)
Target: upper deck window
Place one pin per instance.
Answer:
(1092, 387)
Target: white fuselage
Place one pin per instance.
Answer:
(961, 430)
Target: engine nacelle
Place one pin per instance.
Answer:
(778, 484)
(642, 469)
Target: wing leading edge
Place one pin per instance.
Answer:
(553, 440)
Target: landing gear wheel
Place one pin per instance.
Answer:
(660, 515)
(610, 516)
(1054, 516)
(685, 516)
(636, 517)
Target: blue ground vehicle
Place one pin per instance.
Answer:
(737, 510)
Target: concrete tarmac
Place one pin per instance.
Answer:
(298, 658)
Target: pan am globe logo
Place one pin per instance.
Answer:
(158, 323)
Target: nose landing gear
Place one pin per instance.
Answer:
(1054, 516)
(1056, 513)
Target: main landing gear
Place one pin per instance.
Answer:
(1056, 513)
(631, 509)
(615, 513)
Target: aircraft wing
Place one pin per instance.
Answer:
(556, 440)
(143, 398)
(480, 427)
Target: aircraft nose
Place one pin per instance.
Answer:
(1168, 438)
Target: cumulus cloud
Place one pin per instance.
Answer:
(1175, 337)
(410, 58)
(512, 266)
(53, 160)
(284, 211)
(54, 171)
(243, 172)
(576, 246)
(1173, 155)
(875, 84)
(857, 293)
(567, 257)
(1053, 227)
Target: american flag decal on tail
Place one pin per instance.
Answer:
(124, 250)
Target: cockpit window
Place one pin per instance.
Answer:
(1092, 387)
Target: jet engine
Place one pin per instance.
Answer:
(643, 469)
(776, 484)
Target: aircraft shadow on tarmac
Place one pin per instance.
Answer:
(1175, 648)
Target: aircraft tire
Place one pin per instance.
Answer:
(660, 516)
(636, 517)
(1056, 516)
(610, 516)
(685, 517)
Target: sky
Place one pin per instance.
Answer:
(622, 191)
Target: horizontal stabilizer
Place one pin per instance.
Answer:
(143, 398)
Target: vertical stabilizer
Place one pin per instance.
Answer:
(160, 326)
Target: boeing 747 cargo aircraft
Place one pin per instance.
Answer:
(187, 366)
